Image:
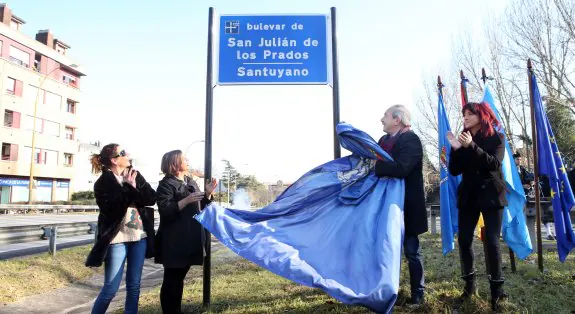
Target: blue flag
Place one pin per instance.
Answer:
(514, 227)
(338, 228)
(448, 184)
(551, 165)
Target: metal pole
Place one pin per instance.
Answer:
(535, 168)
(484, 78)
(208, 154)
(335, 83)
(431, 211)
(53, 235)
(464, 99)
(31, 178)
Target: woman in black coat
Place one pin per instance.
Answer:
(180, 239)
(477, 154)
(125, 226)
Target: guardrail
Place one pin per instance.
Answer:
(28, 233)
(433, 212)
(11, 209)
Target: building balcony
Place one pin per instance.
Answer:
(18, 62)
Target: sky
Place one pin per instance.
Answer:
(146, 76)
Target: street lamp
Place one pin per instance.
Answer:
(31, 179)
(194, 142)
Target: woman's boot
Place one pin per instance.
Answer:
(470, 288)
(497, 293)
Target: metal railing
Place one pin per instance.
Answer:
(43, 209)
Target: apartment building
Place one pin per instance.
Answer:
(39, 85)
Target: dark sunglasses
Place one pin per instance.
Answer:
(121, 154)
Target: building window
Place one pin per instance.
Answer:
(9, 152)
(19, 57)
(32, 93)
(37, 154)
(68, 159)
(11, 119)
(14, 25)
(50, 157)
(70, 133)
(8, 118)
(69, 80)
(28, 124)
(13, 86)
(71, 108)
(10, 86)
(5, 151)
(60, 49)
(53, 100)
(37, 62)
(51, 128)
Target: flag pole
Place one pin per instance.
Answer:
(484, 78)
(535, 168)
(440, 85)
(207, 274)
(464, 101)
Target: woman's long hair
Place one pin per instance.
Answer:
(487, 118)
(103, 160)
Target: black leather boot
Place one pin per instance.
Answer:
(497, 293)
(470, 289)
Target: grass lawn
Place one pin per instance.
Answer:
(20, 277)
(239, 286)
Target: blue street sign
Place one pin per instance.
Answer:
(23, 182)
(273, 49)
(63, 184)
(13, 182)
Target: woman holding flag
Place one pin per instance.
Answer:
(477, 154)
(180, 238)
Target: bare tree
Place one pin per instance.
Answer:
(427, 126)
(566, 9)
(542, 30)
(536, 31)
(509, 84)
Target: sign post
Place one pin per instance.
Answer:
(269, 50)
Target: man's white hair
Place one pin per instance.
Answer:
(401, 112)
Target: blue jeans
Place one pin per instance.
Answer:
(135, 253)
(413, 254)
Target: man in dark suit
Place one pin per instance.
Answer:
(526, 177)
(571, 177)
(407, 152)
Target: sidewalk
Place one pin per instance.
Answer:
(79, 297)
